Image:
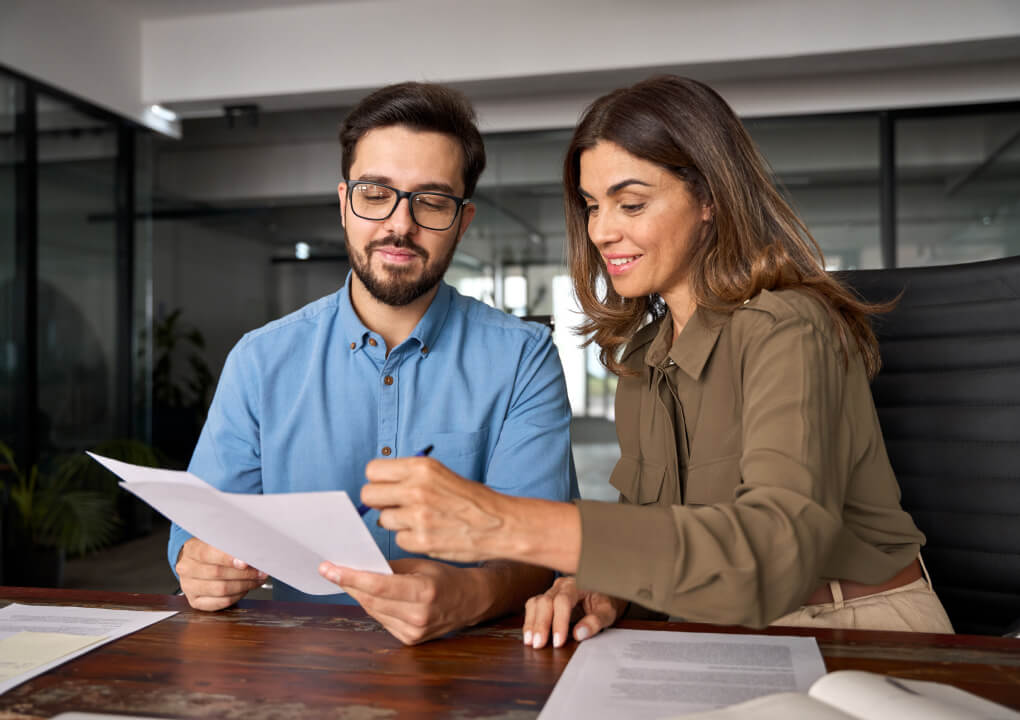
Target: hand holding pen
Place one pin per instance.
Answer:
(363, 509)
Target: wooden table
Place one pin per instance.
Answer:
(265, 660)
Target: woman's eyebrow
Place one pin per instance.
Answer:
(613, 189)
(624, 183)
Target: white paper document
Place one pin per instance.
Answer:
(284, 534)
(35, 638)
(653, 674)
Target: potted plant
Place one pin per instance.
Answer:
(134, 517)
(180, 397)
(47, 516)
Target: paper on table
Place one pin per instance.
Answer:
(94, 626)
(781, 706)
(651, 673)
(26, 651)
(284, 534)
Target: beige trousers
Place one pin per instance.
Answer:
(913, 607)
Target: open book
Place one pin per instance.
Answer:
(856, 695)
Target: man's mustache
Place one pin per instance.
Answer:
(397, 241)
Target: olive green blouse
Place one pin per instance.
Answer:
(752, 468)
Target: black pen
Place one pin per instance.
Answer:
(362, 508)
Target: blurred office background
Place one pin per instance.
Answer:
(168, 169)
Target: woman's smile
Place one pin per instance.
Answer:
(619, 264)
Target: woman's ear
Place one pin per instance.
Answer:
(707, 213)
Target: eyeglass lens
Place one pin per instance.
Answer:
(430, 210)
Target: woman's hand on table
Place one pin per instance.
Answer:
(548, 615)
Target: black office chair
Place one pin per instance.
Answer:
(948, 398)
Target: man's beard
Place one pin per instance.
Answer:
(395, 285)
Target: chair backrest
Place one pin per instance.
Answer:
(948, 398)
(546, 320)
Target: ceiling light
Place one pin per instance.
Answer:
(163, 113)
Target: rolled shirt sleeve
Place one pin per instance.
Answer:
(532, 456)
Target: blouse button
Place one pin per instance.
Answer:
(372, 342)
(387, 450)
(388, 380)
(353, 345)
(424, 349)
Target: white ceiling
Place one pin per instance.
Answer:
(527, 64)
(160, 9)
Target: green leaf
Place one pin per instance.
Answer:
(56, 511)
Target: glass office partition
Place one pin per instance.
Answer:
(77, 333)
(828, 167)
(11, 99)
(514, 255)
(958, 188)
(142, 350)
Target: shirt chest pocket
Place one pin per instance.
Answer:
(639, 481)
(463, 452)
(712, 482)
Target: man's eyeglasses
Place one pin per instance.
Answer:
(429, 209)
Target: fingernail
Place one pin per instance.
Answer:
(333, 575)
(240, 564)
(582, 633)
(262, 575)
(557, 639)
(527, 637)
(538, 641)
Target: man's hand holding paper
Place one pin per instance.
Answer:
(419, 602)
(211, 579)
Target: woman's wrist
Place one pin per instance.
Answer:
(541, 532)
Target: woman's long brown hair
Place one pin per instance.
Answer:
(755, 241)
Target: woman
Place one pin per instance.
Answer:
(754, 483)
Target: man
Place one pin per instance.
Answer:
(393, 362)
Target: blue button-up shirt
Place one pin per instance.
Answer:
(306, 401)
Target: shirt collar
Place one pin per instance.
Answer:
(694, 344)
(426, 332)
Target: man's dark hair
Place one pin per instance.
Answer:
(419, 106)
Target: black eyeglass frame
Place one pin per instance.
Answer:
(410, 195)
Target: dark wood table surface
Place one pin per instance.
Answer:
(266, 659)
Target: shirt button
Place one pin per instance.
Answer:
(388, 380)
(424, 349)
(372, 342)
(387, 450)
(353, 345)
